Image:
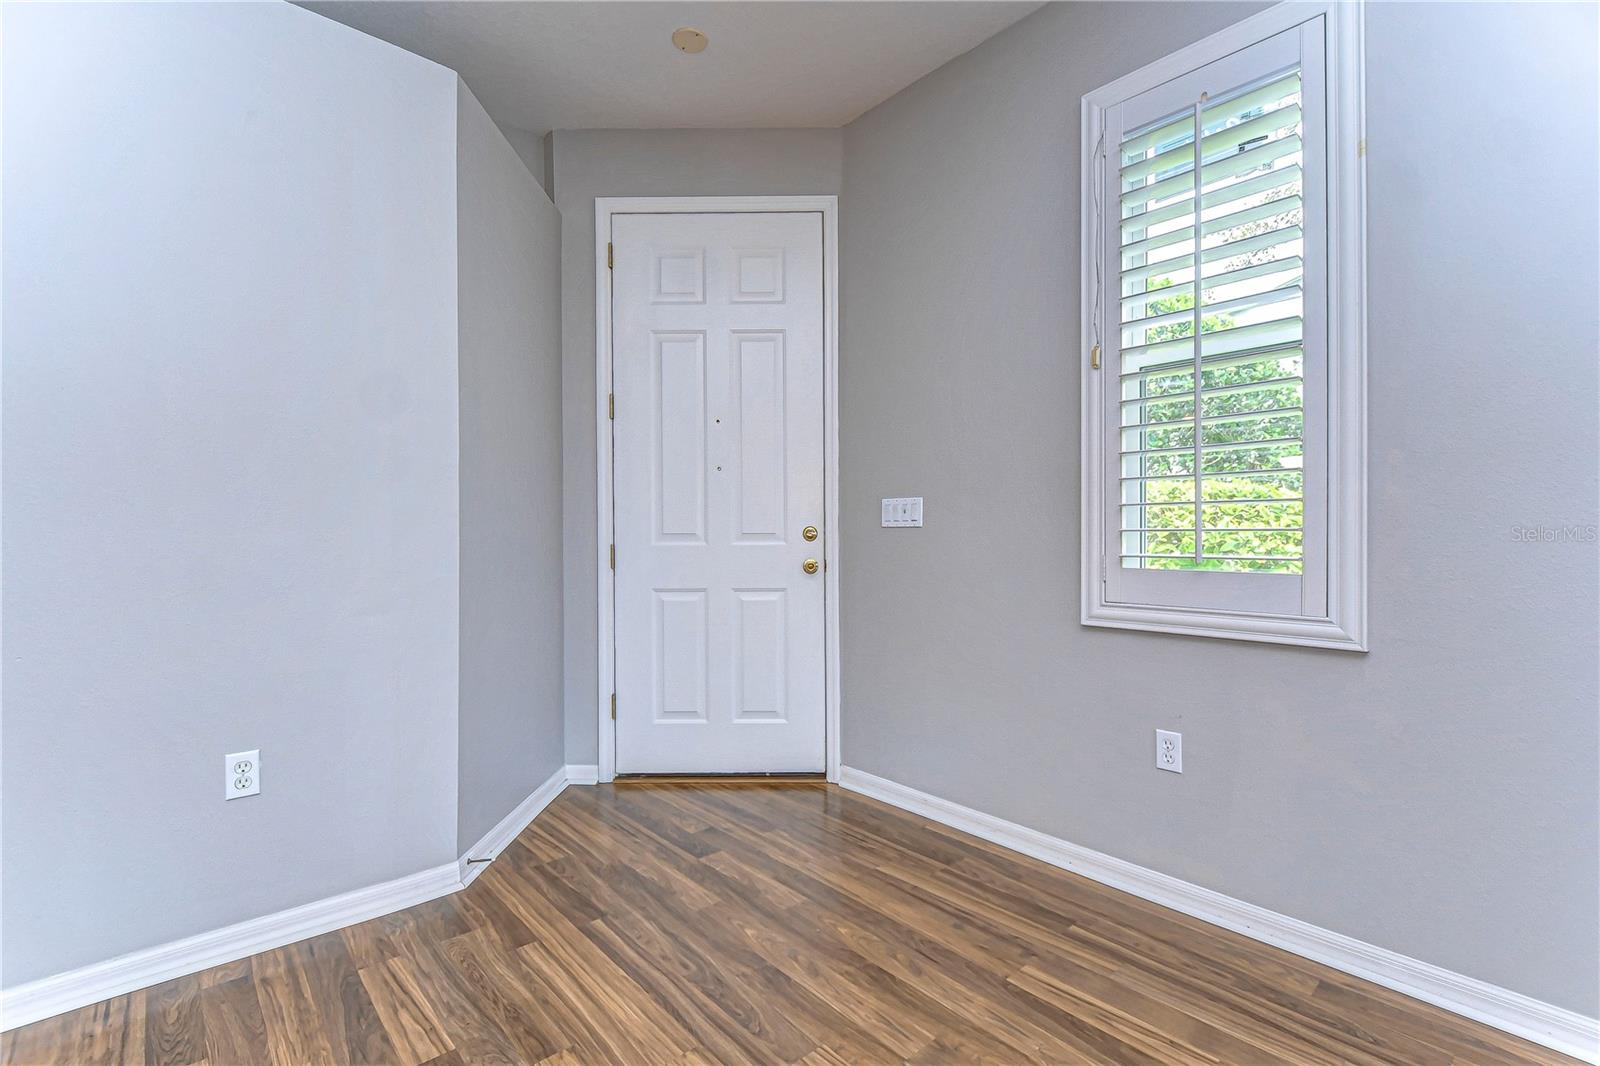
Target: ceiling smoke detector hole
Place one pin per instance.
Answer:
(689, 40)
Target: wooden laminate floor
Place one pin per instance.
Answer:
(724, 923)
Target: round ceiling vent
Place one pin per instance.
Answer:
(688, 40)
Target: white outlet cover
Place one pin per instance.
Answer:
(1169, 751)
(241, 774)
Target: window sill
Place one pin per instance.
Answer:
(1228, 625)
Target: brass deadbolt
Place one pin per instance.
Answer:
(810, 532)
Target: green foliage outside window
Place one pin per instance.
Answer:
(1258, 520)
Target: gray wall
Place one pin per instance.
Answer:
(229, 465)
(1436, 796)
(532, 149)
(591, 163)
(509, 238)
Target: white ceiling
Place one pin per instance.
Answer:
(597, 65)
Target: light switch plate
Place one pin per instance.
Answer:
(902, 511)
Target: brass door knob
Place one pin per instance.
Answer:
(810, 532)
(809, 566)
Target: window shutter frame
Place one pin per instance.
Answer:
(1328, 606)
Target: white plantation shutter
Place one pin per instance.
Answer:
(1210, 319)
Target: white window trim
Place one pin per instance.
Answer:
(1345, 626)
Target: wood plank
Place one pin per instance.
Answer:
(407, 1015)
(42, 1042)
(297, 1031)
(355, 1032)
(720, 975)
(235, 1030)
(111, 1031)
(489, 974)
(605, 1007)
(175, 1028)
(228, 971)
(687, 923)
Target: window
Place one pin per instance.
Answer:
(1224, 384)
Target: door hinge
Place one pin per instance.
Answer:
(611, 405)
(613, 556)
(613, 706)
(1094, 358)
(611, 261)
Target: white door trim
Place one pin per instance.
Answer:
(604, 208)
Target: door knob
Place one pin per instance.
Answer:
(809, 566)
(810, 532)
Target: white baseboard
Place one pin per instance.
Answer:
(496, 839)
(1543, 1023)
(62, 992)
(582, 773)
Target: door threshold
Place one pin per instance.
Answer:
(809, 780)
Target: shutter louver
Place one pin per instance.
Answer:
(1211, 318)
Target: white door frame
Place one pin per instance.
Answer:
(606, 667)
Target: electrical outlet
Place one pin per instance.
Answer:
(1169, 751)
(241, 774)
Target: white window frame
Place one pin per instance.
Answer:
(1344, 624)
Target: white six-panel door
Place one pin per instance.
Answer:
(717, 362)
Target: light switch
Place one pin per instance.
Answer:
(902, 511)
